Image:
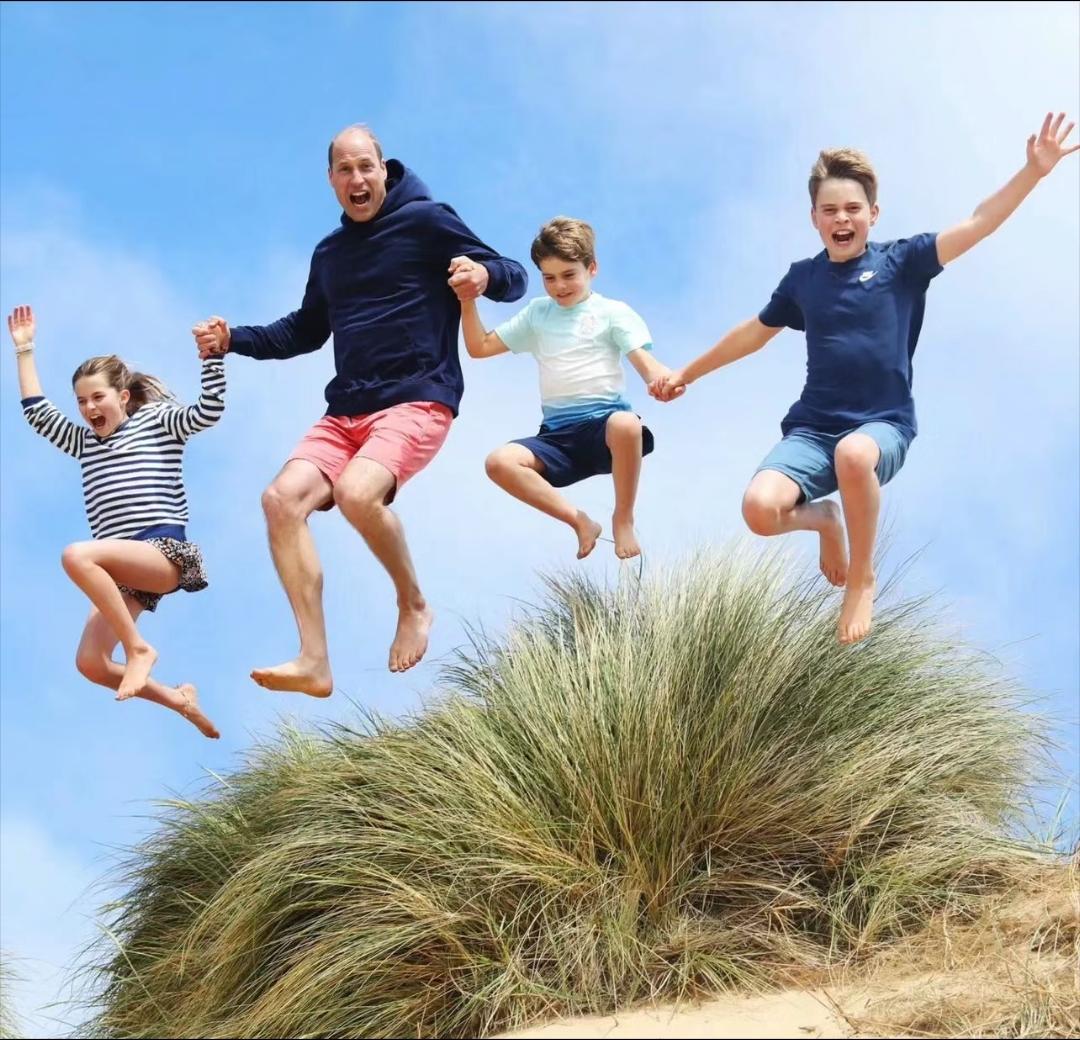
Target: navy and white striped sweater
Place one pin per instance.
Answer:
(133, 479)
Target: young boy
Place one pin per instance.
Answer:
(861, 305)
(578, 338)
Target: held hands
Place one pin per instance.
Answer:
(1044, 150)
(468, 279)
(668, 386)
(20, 324)
(211, 337)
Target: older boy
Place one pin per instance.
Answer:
(861, 305)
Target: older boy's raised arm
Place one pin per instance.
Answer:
(1043, 153)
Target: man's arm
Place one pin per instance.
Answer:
(1043, 153)
(497, 277)
(301, 332)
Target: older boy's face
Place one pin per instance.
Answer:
(567, 282)
(843, 217)
(358, 176)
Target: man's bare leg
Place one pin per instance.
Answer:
(297, 491)
(361, 493)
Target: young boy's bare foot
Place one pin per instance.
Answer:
(834, 558)
(139, 662)
(857, 612)
(588, 530)
(411, 639)
(300, 676)
(189, 708)
(626, 543)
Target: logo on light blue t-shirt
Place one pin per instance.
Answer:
(589, 325)
(866, 276)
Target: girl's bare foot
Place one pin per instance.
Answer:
(139, 663)
(191, 711)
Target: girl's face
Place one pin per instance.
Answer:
(102, 407)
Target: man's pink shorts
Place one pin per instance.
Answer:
(403, 439)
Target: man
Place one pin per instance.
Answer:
(378, 284)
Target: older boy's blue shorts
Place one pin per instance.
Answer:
(576, 451)
(806, 456)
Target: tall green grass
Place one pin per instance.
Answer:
(649, 793)
(9, 1022)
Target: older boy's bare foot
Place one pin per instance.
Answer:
(303, 675)
(139, 662)
(626, 543)
(411, 639)
(189, 708)
(834, 558)
(857, 612)
(588, 530)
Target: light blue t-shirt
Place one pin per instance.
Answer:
(579, 351)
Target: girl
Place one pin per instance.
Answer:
(135, 502)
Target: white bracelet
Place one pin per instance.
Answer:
(28, 349)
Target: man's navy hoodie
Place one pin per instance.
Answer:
(380, 288)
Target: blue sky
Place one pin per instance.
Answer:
(159, 163)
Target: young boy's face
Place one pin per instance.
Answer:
(843, 217)
(567, 282)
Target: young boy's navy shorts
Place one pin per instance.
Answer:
(576, 451)
(806, 456)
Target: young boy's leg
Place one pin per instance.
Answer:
(517, 470)
(865, 460)
(623, 435)
(781, 496)
(97, 567)
(94, 661)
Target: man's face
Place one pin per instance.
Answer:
(358, 176)
(843, 217)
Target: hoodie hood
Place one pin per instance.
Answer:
(402, 187)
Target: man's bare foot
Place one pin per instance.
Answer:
(834, 558)
(139, 662)
(857, 612)
(300, 676)
(191, 711)
(588, 530)
(411, 639)
(626, 543)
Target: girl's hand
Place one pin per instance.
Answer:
(20, 324)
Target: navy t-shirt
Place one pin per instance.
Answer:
(862, 319)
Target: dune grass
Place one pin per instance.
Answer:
(9, 1022)
(653, 793)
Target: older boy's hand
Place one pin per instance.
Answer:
(212, 337)
(468, 278)
(668, 387)
(1044, 151)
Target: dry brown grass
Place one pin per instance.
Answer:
(1009, 968)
